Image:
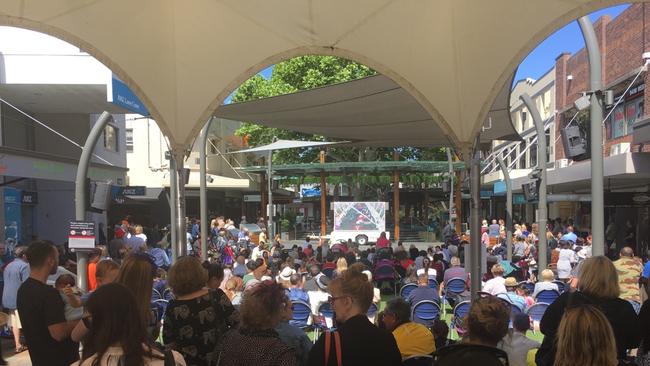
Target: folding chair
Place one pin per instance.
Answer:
(536, 312)
(547, 296)
(372, 312)
(460, 311)
(455, 286)
(406, 290)
(561, 286)
(329, 272)
(326, 310)
(530, 286)
(155, 295)
(168, 294)
(301, 314)
(433, 284)
(425, 312)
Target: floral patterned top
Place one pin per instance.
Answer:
(194, 327)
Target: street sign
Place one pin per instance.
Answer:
(81, 235)
(120, 94)
(252, 198)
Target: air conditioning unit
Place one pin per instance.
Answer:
(561, 163)
(621, 148)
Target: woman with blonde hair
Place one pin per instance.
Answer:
(585, 338)
(341, 266)
(598, 286)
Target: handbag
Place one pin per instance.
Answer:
(337, 347)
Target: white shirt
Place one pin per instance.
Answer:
(517, 345)
(432, 272)
(495, 286)
(113, 354)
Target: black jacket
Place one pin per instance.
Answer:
(620, 314)
(362, 344)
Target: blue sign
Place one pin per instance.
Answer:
(13, 215)
(311, 192)
(125, 98)
(518, 199)
(499, 188)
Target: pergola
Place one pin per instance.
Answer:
(182, 59)
(323, 169)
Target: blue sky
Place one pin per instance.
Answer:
(566, 39)
(541, 59)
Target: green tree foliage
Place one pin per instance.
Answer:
(308, 72)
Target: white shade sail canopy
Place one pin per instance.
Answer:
(284, 144)
(372, 111)
(183, 58)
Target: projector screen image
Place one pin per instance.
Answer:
(359, 216)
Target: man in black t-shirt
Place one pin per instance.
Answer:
(41, 311)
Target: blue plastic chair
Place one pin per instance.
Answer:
(155, 295)
(561, 286)
(547, 296)
(433, 284)
(301, 314)
(530, 286)
(326, 311)
(158, 309)
(406, 290)
(329, 272)
(460, 311)
(168, 294)
(372, 312)
(536, 312)
(425, 312)
(454, 286)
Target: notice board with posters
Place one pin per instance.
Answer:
(81, 235)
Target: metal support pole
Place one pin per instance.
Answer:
(179, 202)
(451, 186)
(203, 194)
(323, 198)
(595, 136)
(269, 186)
(542, 209)
(475, 222)
(506, 178)
(80, 192)
(172, 209)
(396, 198)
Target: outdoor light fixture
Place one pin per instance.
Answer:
(569, 77)
(209, 178)
(582, 103)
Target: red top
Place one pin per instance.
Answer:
(383, 243)
(92, 279)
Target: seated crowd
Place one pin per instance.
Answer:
(251, 304)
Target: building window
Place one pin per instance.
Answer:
(129, 140)
(623, 118)
(521, 164)
(110, 138)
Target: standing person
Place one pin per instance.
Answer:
(42, 313)
(566, 260)
(361, 343)
(256, 342)
(597, 285)
(118, 334)
(197, 318)
(494, 229)
(14, 275)
(629, 269)
(585, 338)
(382, 241)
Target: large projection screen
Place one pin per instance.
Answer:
(359, 216)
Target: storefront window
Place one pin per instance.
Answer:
(623, 118)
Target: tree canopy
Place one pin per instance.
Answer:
(308, 72)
